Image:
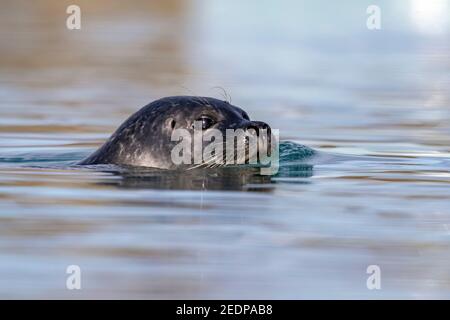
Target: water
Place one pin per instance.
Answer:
(376, 104)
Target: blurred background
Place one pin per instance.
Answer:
(309, 68)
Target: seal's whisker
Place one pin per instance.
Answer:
(205, 162)
(203, 100)
(225, 94)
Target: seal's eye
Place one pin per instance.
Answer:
(207, 122)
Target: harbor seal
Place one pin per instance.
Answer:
(146, 138)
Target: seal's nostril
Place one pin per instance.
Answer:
(253, 126)
(259, 125)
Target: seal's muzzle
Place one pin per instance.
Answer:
(264, 136)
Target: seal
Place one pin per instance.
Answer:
(145, 138)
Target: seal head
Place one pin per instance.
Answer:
(145, 138)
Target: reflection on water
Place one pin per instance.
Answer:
(224, 179)
(375, 104)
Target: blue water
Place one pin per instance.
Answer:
(373, 105)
